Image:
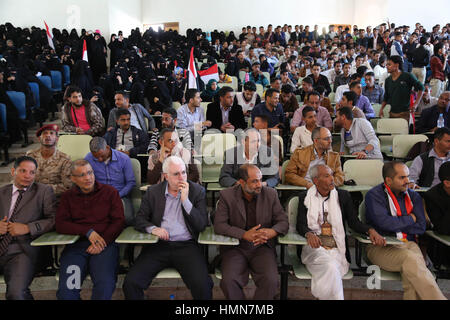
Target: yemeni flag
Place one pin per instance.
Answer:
(192, 72)
(85, 55)
(210, 73)
(49, 36)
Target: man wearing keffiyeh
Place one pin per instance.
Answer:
(326, 256)
(395, 210)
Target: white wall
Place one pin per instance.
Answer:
(402, 12)
(58, 14)
(234, 14)
(110, 16)
(124, 16)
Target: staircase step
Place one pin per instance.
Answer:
(5, 174)
(17, 150)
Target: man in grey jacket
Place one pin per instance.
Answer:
(358, 136)
(27, 211)
(138, 113)
(251, 151)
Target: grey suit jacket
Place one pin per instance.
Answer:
(234, 158)
(230, 218)
(154, 203)
(36, 209)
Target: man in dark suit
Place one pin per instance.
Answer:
(28, 210)
(223, 114)
(175, 211)
(250, 150)
(437, 201)
(127, 138)
(253, 214)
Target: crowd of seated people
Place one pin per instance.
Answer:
(131, 112)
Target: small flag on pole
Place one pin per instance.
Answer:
(85, 54)
(192, 82)
(49, 36)
(210, 73)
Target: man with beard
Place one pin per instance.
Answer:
(126, 138)
(138, 113)
(395, 210)
(263, 220)
(81, 116)
(53, 165)
(223, 114)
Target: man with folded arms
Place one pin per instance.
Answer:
(253, 214)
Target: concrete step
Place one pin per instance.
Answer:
(16, 150)
(5, 174)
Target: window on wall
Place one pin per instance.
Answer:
(164, 26)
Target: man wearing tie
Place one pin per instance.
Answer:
(27, 211)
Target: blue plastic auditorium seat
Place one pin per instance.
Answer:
(47, 81)
(18, 99)
(4, 127)
(35, 89)
(66, 74)
(56, 81)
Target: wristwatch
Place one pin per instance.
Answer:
(366, 152)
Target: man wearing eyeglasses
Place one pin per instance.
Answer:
(175, 211)
(299, 167)
(95, 212)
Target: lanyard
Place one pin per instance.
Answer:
(323, 206)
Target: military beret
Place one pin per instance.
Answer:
(52, 127)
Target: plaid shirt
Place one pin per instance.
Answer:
(375, 95)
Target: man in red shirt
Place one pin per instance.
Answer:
(93, 211)
(438, 63)
(81, 116)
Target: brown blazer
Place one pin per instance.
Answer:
(230, 217)
(298, 166)
(36, 209)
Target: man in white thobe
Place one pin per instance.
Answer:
(322, 213)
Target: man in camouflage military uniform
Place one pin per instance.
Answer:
(53, 165)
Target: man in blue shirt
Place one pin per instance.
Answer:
(362, 101)
(115, 169)
(257, 76)
(394, 210)
(272, 108)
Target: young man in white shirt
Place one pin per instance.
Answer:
(302, 135)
